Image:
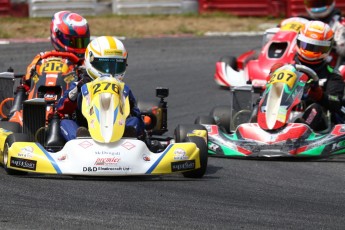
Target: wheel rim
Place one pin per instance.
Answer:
(5, 155)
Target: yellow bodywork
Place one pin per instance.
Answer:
(34, 153)
(173, 155)
(3, 136)
(106, 109)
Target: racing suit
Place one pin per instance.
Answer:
(329, 96)
(71, 102)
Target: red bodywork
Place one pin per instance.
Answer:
(280, 49)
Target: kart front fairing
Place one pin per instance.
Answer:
(281, 48)
(105, 108)
(294, 140)
(86, 157)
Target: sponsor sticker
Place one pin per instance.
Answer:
(107, 161)
(113, 52)
(182, 165)
(26, 152)
(180, 154)
(146, 157)
(62, 157)
(107, 153)
(106, 168)
(85, 144)
(127, 145)
(23, 163)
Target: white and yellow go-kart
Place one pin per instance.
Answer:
(106, 150)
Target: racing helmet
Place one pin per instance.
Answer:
(314, 42)
(106, 55)
(69, 32)
(319, 8)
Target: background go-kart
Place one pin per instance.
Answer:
(234, 194)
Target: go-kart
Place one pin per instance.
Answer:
(49, 82)
(252, 67)
(270, 125)
(106, 147)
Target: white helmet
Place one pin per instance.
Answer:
(106, 55)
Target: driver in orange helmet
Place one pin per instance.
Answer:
(314, 44)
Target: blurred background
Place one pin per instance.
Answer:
(263, 8)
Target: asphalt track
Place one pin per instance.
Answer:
(234, 194)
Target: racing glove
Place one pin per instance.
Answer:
(315, 92)
(274, 67)
(73, 94)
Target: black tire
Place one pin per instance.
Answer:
(230, 61)
(203, 151)
(240, 117)
(207, 120)
(15, 137)
(11, 126)
(222, 116)
(181, 131)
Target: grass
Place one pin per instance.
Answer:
(137, 26)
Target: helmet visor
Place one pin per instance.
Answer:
(316, 46)
(109, 65)
(312, 47)
(73, 41)
(317, 3)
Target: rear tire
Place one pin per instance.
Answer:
(222, 116)
(206, 120)
(15, 137)
(11, 126)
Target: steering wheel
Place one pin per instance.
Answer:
(308, 71)
(70, 56)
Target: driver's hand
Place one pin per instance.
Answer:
(315, 93)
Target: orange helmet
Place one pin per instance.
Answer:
(314, 42)
(318, 9)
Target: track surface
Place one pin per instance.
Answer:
(234, 194)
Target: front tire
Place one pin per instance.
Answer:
(222, 116)
(181, 131)
(203, 154)
(15, 137)
(180, 135)
(205, 120)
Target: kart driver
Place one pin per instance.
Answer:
(103, 56)
(69, 35)
(325, 11)
(314, 44)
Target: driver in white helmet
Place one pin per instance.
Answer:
(104, 55)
